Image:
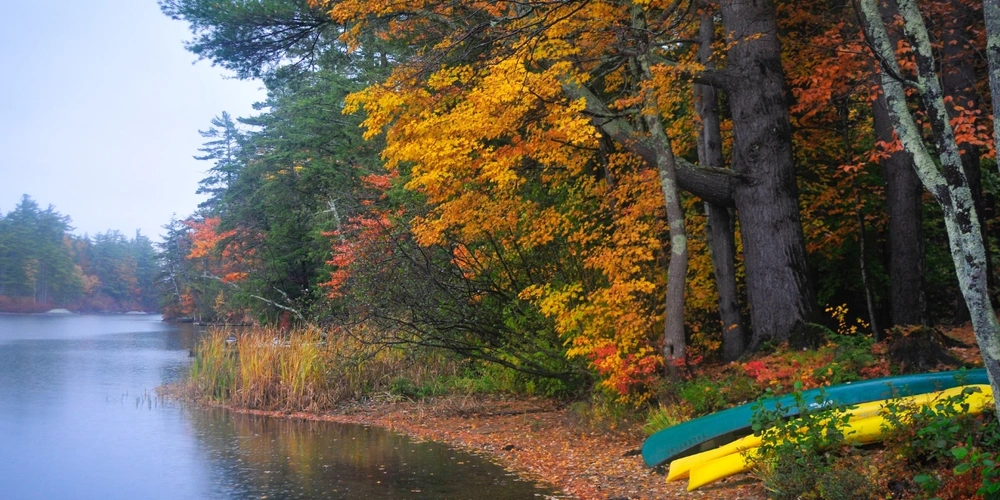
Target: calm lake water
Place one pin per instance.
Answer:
(79, 419)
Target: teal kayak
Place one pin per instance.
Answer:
(688, 437)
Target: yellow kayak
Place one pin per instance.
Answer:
(866, 426)
(861, 431)
(680, 468)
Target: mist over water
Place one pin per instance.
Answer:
(79, 419)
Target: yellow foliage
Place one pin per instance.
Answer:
(509, 165)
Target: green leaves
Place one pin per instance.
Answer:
(253, 38)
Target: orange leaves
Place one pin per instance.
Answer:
(380, 182)
(235, 276)
(205, 237)
(223, 254)
(970, 127)
(187, 303)
(626, 374)
(614, 320)
(512, 171)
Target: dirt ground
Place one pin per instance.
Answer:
(539, 440)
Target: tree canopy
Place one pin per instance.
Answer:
(593, 190)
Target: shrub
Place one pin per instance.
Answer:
(851, 354)
(793, 461)
(946, 436)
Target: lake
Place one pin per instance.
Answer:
(79, 419)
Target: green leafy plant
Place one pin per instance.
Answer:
(852, 353)
(971, 458)
(926, 438)
(793, 460)
(927, 433)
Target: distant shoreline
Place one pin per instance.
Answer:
(66, 312)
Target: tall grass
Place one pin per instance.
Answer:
(265, 368)
(214, 369)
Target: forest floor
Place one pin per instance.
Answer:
(539, 439)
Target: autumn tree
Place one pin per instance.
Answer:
(533, 180)
(282, 179)
(603, 70)
(42, 262)
(123, 270)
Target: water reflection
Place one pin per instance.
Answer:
(78, 420)
(299, 459)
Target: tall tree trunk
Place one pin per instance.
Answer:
(865, 279)
(674, 342)
(778, 287)
(720, 228)
(948, 185)
(958, 76)
(903, 193)
(723, 250)
(761, 183)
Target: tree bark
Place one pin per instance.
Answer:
(720, 227)
(761, 183)
(674, 341)
(958, 76)
(903, 193)
(779, 291)
(948, 185)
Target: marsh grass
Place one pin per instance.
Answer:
(264, 368)
(213, 369)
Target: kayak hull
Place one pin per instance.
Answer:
(681, 467)
(686, 438)
(864, 430)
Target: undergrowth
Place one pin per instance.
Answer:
(937, 451)
(945, 451)
(795, 458)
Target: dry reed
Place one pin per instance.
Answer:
(265, 368)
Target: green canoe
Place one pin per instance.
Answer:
(686, 438)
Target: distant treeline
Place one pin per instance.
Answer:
(43, 266)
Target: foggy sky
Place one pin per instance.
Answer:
(100, 107)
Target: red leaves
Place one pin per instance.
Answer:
(221, 252)
(363, 237)
(627, 373)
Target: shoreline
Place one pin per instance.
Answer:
(533, 437)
